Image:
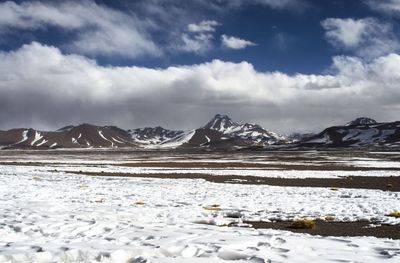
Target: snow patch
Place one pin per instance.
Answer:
(102, 136)
(24, 137)
(37, 137)
(178, 140)
(41, 143)
(118, 141)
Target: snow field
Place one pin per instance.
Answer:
(48, 217)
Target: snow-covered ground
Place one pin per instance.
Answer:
(47, 217)
(51, 216)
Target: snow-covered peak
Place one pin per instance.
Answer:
(362, 121)
(253, 133)
(221, 123)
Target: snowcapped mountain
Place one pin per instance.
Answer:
(221, 123)
(219, 133)
(223, 133)
(81, 136)
(361, 132)
(252, 133)
(153, 136)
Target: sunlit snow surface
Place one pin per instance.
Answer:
(50, 216)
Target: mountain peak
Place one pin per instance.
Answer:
(362, 121)
(220, 123)
(221, 116)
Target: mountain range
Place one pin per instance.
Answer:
(221, 132)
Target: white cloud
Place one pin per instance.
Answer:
(346, 32)
(366, 37)
(198, 43)
(389, 6)
(198, 37)
(235, 42)
(41, 87)
(203, 26)
(99, 30)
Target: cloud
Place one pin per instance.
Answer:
(203, 26)
(235, 42)
(388, 6)
(367, 37)
(199, 43)
(198, 37)
(44, 88)
(137, 29)
(98, 30)
(347, 32)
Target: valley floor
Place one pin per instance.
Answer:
(127, 206)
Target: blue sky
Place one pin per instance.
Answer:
(290, 65)
(287, 38)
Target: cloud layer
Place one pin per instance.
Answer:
(62, 89)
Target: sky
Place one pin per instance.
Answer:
(289, 65)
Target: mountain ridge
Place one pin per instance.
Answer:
(221, 132)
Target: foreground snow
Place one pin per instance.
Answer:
(53, 217)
